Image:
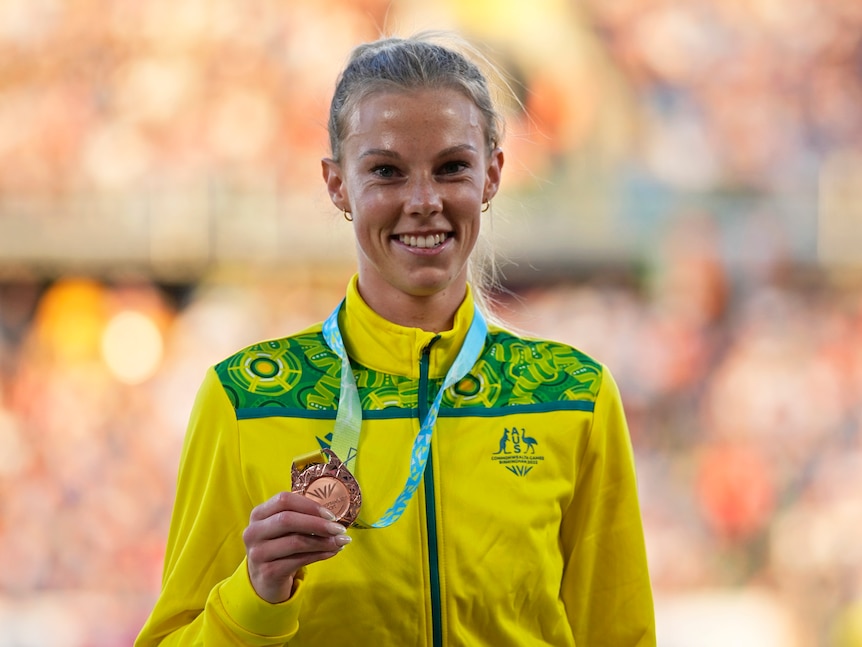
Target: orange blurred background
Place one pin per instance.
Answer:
(682, 200)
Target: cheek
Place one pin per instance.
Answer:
(370, 231)
(374, 204)
(471, 227)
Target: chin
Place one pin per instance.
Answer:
(429, 284)
(423, 290)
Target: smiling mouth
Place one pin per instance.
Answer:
(423, 242)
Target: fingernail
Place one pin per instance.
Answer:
(343, 540)
(326, 513)
(335, 529)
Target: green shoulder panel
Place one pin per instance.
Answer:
(301, 373)
(294, 372)
(517, 371)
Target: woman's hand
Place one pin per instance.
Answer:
(285, 533)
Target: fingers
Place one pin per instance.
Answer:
(296, 550)
(289, 513)
(284, 534)
(273, 580)
(287, 502)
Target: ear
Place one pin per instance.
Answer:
(493, 175)
(335, 185)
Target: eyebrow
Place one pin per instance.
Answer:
(384, 152)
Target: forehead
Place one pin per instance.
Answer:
(426, 114)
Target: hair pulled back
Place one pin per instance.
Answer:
(422, 62)
(405, 64)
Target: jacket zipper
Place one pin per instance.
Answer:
(431, 506)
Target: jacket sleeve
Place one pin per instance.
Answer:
(207, 598)
(606, 587)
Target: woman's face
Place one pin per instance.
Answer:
(414, 173)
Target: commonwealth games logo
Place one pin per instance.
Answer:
(517, 451)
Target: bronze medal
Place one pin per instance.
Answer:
(322, 477)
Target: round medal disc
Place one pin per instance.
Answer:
(331, 485)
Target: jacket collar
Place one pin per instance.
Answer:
(384, 346)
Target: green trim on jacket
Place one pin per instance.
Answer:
(535, 520)
(301, 373)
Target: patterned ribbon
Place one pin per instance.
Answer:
(348, 420)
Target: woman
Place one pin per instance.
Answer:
(518, 525)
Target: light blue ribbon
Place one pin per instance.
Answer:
(348, 420)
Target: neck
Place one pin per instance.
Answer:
(432, 313)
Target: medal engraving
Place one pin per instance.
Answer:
(331, 494)
(331, 485)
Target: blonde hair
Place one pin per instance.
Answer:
(421, 62)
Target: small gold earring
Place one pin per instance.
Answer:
(486, 206)
(347, 215)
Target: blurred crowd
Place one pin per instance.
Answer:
(740, 363)
(91, 426)
(736, 94)
(745, 407)
(103, 94)
(745, 410)
(107, 95)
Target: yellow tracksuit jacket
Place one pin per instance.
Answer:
(526, 529)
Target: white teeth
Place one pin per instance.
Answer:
(423, 242)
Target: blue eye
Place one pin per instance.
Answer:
(453, 167)
(384, 171)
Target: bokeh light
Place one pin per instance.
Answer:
(681, 200)
(70, 319)
(132, 347)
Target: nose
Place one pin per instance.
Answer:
(423, 197)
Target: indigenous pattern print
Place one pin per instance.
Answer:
(302, 373)
(295, 372)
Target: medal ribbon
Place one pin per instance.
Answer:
(348, 420)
